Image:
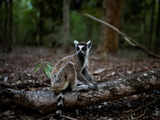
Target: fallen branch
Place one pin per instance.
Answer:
(126, 38)
(45, 100)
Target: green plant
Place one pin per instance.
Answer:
(46, 67)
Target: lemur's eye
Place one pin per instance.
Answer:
(84, 48)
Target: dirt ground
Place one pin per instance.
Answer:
(17, 68)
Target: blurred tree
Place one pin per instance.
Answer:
(48, 17)
(152, 21)
(112, 10)
(2, 21)
(157, 42)
(10, 24)
(7, 39)
(40, 23)
(66, 20)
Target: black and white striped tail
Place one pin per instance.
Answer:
(60, 104)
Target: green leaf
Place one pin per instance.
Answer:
(49, 66)
(47, 72)
(37, 67)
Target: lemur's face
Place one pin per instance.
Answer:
(82, 48)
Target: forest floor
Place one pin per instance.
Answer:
(17, 68)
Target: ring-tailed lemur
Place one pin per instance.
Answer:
(72, 71)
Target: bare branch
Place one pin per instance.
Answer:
(125, 37)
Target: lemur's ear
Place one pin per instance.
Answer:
(76, 43)
(89, 44)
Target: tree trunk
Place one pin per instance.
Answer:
(7, 41)
(2, 22)
(10, 29)
(46, 100)
(152, 24)
(5, 27)
(157, 42)
(39, 32)
(112, 15)
(90, 29)
(66, 23)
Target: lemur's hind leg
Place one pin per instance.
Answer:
(71, 75)
(64, 78)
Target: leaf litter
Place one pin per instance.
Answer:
(21, 69)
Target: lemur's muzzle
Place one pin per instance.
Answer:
(81, 53)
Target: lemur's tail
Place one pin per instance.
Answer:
(60, 104)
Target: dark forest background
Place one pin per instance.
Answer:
(54, 23)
